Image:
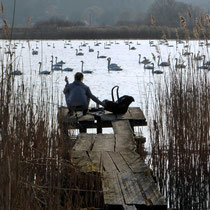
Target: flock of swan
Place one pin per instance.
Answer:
(156, 67)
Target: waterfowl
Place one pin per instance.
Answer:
(100, 56)
(85, 71)
(145, 61)
(147, 66)
(162, 63)
(43, 72)
(113, 66)
(180, 65)
(79, 53)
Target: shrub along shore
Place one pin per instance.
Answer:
(88, 32)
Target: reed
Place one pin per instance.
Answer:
(36, 169)
(179, 134)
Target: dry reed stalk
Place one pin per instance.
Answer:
(34, 174)
(180, 139)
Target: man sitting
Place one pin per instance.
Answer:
(78, 95)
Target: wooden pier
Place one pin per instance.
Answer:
(127, 182)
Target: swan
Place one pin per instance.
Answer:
(90, 50)
(185, 53)
(145, 61)
(60, 62)
(96, 43)
(113, 66)
(162, 63)
(105, 46)
(101, 56)
(58, 65)
(43, 72)
(34, 52)
(180, 65)
(79, 53)
(85, 71)
(132, 48)
(67, 69)
(157, 71)
(16, 72)
(205, 65)
(205, 62)
(147, 66)
(197, 57)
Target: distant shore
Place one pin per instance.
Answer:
(88, 32)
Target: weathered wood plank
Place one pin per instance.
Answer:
(111, 189)
(119, 162)
(108, 164)
(130, 207)
(84, 142)
(136, 113)
(125, 142)
(122, 127)
(150, 190)
(81, 159)
(104, 142)
(134, 161)
(125, 116)
(95, 161)
(130, 189)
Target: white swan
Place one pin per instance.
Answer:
(205, 65)
(180, 65)
(67, 69)
(85, 71)
(16, 72)
(157, 71)
(145, 61)
(132, 48)
(79, 53)
(162, 63)
(113, 66)
(90, 49)
(105, 46)
(58, 65)
(43, 72)
(101, 56)
(147, 66)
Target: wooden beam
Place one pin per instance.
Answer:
(104, 142)
(84, 142)
(130, 189)
(122, 127)
(111, 189)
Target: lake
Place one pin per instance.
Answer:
(133, 80)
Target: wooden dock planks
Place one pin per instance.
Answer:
(111, 188)
(130, 189)
(126, 180)
(104, 142)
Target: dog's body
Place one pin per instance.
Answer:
(120, 106)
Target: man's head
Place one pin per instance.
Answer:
(78, 76)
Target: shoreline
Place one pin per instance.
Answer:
(96, 33)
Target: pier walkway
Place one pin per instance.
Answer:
(126, 180)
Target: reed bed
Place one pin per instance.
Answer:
(180, 138)
(35, 166)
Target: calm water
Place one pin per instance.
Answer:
(133, 80)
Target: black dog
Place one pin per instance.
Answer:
(120, 106)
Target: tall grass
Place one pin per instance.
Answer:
(180, 138)
(35, 167)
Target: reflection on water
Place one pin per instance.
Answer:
(133, 80)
